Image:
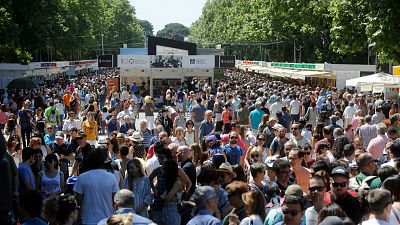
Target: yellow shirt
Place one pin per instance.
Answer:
(90, 130)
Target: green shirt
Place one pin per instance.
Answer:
(373, 184)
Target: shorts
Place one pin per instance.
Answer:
(170, 214)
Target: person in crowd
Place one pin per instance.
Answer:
(206, 201)
(50, 137)
(127, 125)
(30, 208)
(183, 156)
(124, 203)
(391, 184)
(26, 178)
(302, 174)
(255, 117)
(25, 120)
(40, 121)
(52, 115)
(95, 188)
(51, 180)
(179, 121)
(191, 136)
(277, 145)
(254, 206)
(243, 114)
(292, 210)
(378, 116)
(198, 113)
(63, 210)
(145, 133)
(317, 188)
(235, 191)
(331, 210)
(380, 203)
(206, 126)
(90, 129)
(296, 136)
(377, 145)
(367, 166)
(81, 162)
(232, 150)
(340, 194)
(282, 170)
(139, 184)
(71, 122)
(166, 121)
(368, 131)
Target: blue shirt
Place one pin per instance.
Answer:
(255, 117)
(49, 139)
(204, 217)
(25, 173)
(136, 219)
(234, 153)
(205, 129)
(34, 221)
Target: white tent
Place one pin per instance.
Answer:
(377, 78)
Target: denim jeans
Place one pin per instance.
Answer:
(170, 214)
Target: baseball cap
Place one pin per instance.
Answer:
(277, 126)
(339, 171)
(60, 135)
(269, 161)
(294, 190)
(211, 138)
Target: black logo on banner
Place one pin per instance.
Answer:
(105, 61)
(192, 61)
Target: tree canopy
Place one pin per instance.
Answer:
(40, 30)
(303, 31)
(147, 27)
(175, 31)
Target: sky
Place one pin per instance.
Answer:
(161, 12)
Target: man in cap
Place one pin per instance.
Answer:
(60, 147)
(82, 152)
(206, 205)
(340, 194)
(255, 118)
(226, 173)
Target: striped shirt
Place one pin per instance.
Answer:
(146, 138)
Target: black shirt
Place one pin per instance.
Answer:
(81, 157)
(190, 171)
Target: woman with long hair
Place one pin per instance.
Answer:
(14, 149)
(113, 149)
(12, 128)
(179, 137)
(40, 121)
(190, 133)
(63, 210)
(255, 209)
(263, 124)
(311, 115)
(50, 180)
(139, 184)
(172, 195)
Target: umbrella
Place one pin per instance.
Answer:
(22, 83)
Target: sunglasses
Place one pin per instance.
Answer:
(49, 128)
(255, 156)
(307, 153)
(233, 137)
(261, 139)
(292, 213)
(319, 189)
(295, 128)
(340, 184)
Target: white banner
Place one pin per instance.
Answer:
(134, 61)
(198, 61)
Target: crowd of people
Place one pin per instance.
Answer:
(248, 149)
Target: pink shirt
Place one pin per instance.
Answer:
(355, 122)
(377, 145)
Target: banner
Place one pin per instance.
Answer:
(226, 61)
(112, 84)
(134, 61)
(198, 61)
(105, 61)
(166, 61)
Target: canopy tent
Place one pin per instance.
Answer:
(377, 78)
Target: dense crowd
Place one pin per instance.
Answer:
(248, 149)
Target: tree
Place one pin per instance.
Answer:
(175, 31)
(147, 27)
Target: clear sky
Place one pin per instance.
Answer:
(161, 12)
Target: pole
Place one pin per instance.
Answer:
(102, 43)
(368, 54)
(294, 50)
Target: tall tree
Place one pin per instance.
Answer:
(147, 27)
(174, 31)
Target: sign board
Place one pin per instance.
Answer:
(304, 66)
(166, 61)
(164, 50)
(134, 61)
(247, 62)
(105, 61)
(396, 70)
(198, 61)
(226, 61)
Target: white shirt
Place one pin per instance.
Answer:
(306, 134)
(68, 124)
(276, 107)
(97, 187)
(252, 220)
(300, 143)
(125, 96)
(349, 113)
(152, 164)
(120, 117)
(374, 221)
(295, 107)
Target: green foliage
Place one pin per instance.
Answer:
(147, 27)
(42, 30)
(175, 31)
(336, 31)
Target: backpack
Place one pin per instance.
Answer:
(357, 185)
(52, 116)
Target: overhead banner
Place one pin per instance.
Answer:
(226, 61)
(105, 61)
(198, 61)
(167, 61)
(134, 61)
